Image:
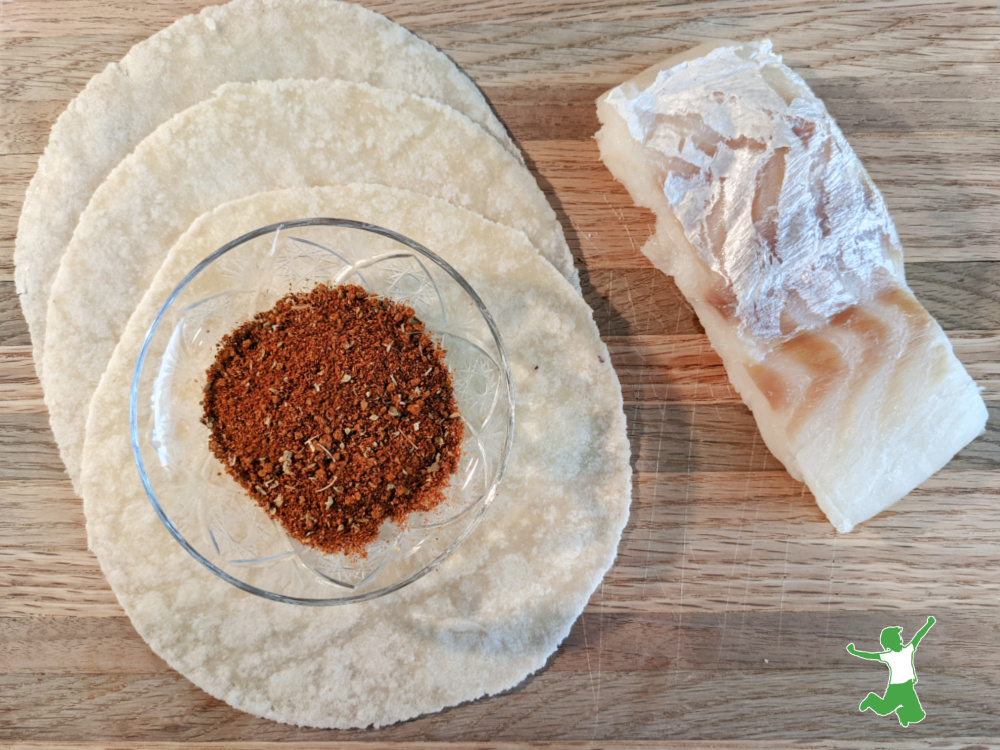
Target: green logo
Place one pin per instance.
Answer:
(900, 697)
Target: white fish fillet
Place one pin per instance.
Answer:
(777, 236)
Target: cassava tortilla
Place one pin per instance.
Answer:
(245, 40)
(495, 610)
(250, 138)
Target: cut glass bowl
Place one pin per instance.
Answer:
(211, 516)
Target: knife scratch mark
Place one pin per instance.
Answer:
(590, 669)
(784, 566)
(608, 316)
(753, 536)
(631, 302)
(631, 241)
(649, 307)
(829, 588)
(736, 554)
(749, 569)
(600, 656)
(687, 497)
(656, 464)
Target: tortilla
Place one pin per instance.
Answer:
(246, 40)
(249, 138)
(495, 610)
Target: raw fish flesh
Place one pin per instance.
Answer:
(777, 236)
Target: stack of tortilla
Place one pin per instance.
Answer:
(261, 111)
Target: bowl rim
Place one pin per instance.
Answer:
(506, 379)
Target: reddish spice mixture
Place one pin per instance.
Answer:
(336, 412)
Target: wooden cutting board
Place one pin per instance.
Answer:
(725, 618)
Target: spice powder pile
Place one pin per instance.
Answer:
(335, 411)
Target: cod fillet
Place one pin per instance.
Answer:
(779, 239)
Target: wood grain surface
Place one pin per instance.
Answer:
(724, 621)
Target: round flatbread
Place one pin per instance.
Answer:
(245, 40)
(495, 610)
(250, 138)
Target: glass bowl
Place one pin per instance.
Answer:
(214, 518)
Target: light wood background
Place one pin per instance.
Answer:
(724, 621)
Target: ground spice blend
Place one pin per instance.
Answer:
(336, 412)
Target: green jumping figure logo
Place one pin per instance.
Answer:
(899, 693)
